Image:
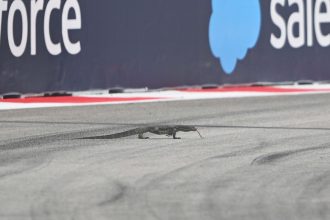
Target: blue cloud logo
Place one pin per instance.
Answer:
(234, 28)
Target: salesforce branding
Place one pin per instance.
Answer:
(18, 10)
(298, 31)
(234, 28)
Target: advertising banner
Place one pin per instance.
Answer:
(49, 45)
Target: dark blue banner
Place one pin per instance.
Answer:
(48, 45)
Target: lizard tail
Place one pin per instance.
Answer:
(131, 132)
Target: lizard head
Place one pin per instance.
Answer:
(186, 128)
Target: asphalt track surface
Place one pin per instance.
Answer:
(261, 158)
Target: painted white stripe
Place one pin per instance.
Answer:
(169, 95)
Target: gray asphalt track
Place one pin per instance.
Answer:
(261, 158)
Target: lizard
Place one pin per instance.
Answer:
(159, 130)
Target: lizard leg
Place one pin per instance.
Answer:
(142, 137)
(174, 135)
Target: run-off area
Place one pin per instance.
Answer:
(261, 158)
